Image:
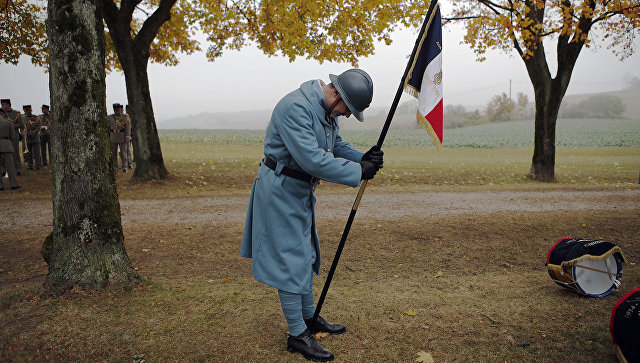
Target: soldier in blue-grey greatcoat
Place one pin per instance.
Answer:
(302, 146)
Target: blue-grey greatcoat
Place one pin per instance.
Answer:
(280, 230)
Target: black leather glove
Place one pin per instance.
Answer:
(374, 155)
(369, 170)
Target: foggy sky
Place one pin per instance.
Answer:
(248, 80)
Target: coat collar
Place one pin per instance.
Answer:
(312, 90)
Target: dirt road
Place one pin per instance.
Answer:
(217, 210)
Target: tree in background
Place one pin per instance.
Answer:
(136, 38)
(456, 116)
(528, 26)
(522, 106)
(501, 108)
(86, 247)
(632, 83)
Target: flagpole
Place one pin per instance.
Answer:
(363, 185)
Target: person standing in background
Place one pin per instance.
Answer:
(18, 123)
(45, 137)
(33, 125)
(120, 126)
(7, 165)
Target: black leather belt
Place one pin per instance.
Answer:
(5, 138)
(117, 130)
(300, 175)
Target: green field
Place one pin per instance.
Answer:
(512, 135)
(464, 287)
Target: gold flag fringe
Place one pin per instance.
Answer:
(412, 91)
(427, 126)
(616, 249)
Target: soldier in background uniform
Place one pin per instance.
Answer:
(7, 132)
(33, 124)
(120, 136)
(45, 138)
(18, 123)
(130, 144)
(3, 170)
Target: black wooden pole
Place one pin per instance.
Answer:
(363, 185)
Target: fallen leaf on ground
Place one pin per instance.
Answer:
(411, 312)
(424, 357)
(439, 274)
(321, 334)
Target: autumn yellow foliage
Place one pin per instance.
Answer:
(22, 31)
(343, 30)
(524, 25)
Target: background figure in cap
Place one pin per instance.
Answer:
(7, 132)
(303, 145)
(129, 146)
(120, 135)
(3, 171)
(18, 123)
(33, 124)
(45, 137)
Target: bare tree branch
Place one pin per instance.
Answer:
(152, 25)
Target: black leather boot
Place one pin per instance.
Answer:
(323, 325)
(307, 344)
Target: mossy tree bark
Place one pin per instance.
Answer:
(86, 247)
(133, 54)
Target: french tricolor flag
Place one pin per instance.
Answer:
(424, 79)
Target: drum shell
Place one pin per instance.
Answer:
(563, 277)
(591, 257)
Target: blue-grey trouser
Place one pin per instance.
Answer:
(296, 308)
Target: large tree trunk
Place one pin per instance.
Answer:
(549, 93)
(544, 141)
(86, 247)
(147, 152)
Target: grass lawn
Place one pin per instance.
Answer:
(217, 169)
(469, 287)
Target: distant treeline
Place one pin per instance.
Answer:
(503, 108)
(598, 106)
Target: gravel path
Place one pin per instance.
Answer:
(232, 209)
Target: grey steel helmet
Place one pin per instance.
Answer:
(356, 89)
